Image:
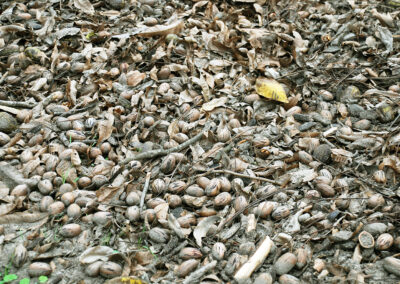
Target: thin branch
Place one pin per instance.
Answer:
(144, 191)
(17, 104)
(244, 176)
(163, 152)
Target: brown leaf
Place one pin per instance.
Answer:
(133, 78)
(160, 30)
(105, 128)
(85, 6)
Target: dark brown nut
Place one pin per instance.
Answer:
(322, 153)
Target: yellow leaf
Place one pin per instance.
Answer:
(271, 89)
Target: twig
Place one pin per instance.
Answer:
(245, 176)
(255, 260)
(144, 192)
(162, 152)
(17, 104)
(195, 276)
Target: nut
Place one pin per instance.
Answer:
(285, 263)
(384, 241)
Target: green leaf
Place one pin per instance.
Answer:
(43, 279)
(24, 281)
(10, 277)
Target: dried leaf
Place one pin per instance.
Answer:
(95, 253)
(22, 217)
(161, 30)
(173, 224)
(202, 228)
(105, 128)
(271, 89)
(214, 104)
(133, 78)
(85, 6)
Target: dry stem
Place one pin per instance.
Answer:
(255, 261)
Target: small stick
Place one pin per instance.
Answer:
(144, 192)
(255, 260)
(17, 104)
(162, 152)
(196, 276)
(245, 176)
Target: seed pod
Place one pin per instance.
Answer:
(133, 214)
(93, 269)
(304, 157)
(326, 173)
(234, 123)
(45, 186)
(380, 176)
(73, 211)
(133, 198)
(20, 190)
(237, 184)
(37, 269)
(366, 240)
(240, 203)
(158, 235)
(177, 186)
(288, 279)
(102, 218)
(392, 265)
(225, 184)
(322, 179)
(190, 253)
(168, 164)
(218, 251)
(302, 258)
(110, 269)
(376, 200)
(195, 190)
(206, 212)
(186, 267)
(264, 209)
(203, 182)
(20, 255)
(148, 121)
(56, 208)
(384, 241)
(173, 200)
(180, 138)
(70, 230)
(223, 133)
(223, 199)
(325, 190)
(158, 186)
(213, 187)
(285, 263)
(154, 202)
(193, 115)
(281, 212)
(187, 220)
(68, 198)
